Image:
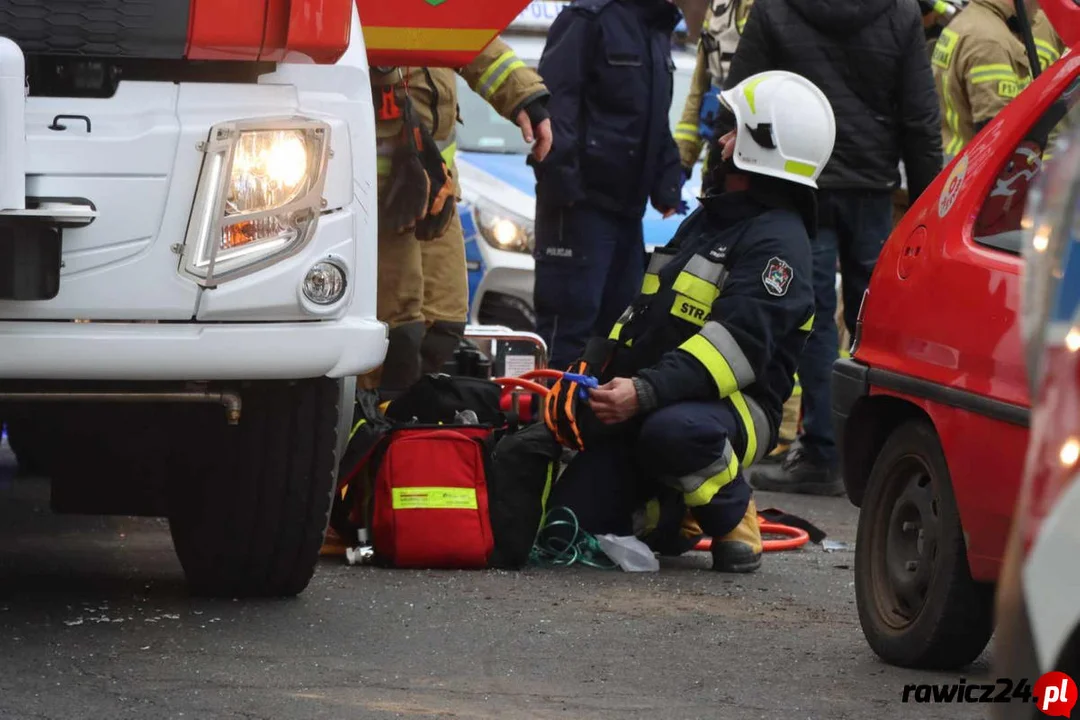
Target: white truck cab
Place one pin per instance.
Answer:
(187, 268)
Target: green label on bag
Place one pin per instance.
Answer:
(434, 498)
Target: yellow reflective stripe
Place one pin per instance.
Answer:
(1048, 54)
(717, 365)
(356, 427)
(497, 73)
(547, 490)
(992, 73)
(799, 168)
(695, 288)
(686, 131)
(407, 38)
(808, 325)
(434, 498)
(747, 419)
(383, 166)
(690, 310)
(652, 516)
(616, 331)
(449, 153)
(714, 483)
(650, 284)
(952, 120)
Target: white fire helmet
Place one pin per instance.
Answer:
(786, 126)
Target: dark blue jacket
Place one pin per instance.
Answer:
(724, 312)
(608, 66)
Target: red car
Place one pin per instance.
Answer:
(932, 408)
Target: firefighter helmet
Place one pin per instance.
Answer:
(786, 127)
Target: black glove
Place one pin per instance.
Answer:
(420, 186)
(440, 201)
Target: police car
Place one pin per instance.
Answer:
(499, 189)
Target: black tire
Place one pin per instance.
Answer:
(929, 615)
(249, 504)
(32, 442)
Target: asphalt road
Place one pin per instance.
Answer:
(95, 623)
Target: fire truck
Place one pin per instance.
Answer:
(188, 256)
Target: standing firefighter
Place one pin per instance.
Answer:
(720, 34)
(423, 284)
(980, 65)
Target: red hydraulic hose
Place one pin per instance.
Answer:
(795, 537)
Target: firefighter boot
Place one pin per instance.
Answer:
(440, 342)
(740, 550)
(402, 365)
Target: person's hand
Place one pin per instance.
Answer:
(541, 137)
(665, 211)
(727, 145)
(615, 401)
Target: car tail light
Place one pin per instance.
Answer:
(302, 31)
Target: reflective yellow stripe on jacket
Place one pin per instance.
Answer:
(720, 354)
(497, 73)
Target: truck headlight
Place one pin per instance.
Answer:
(504, 230)
(259, 196)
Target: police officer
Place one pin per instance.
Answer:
(423, 285)
(980, 64)
(609, 67)
(724, 21)
(697, 368)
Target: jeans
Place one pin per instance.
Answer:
(855, 225)
(589, 267)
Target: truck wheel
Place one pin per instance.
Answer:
(917, 603)
(249, 504)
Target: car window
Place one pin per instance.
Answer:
(998, 223)
(484, 130)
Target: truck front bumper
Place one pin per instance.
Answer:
(190, 351)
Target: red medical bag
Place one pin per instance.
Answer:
(431, 501)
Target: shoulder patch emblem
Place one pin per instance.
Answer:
(777, 277)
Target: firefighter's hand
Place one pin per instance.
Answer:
(541, 137)
(615, 401)
(727, 145)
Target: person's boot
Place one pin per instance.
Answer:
(740, 550)
(402, 365)
(776, 457)
(440, 343)
(799, 473)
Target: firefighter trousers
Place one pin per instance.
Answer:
(682, 455)
(423, 295)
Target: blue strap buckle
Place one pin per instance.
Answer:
(586, 382)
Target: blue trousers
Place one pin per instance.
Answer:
(589, 266)
(855, 225)
(604, 485)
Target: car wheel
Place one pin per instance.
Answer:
(917, 603)
(31, 441)
(249, 504)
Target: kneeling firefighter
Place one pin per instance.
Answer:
(695, 372)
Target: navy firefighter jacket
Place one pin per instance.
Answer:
(724, 312)
(608, 66)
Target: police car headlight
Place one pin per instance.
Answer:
(259, 196)
(504, 230)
